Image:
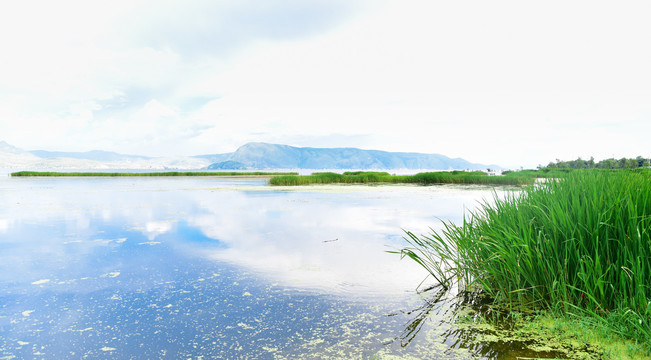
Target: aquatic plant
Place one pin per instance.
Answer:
(382, 173)
(426, 178)
(577, 245)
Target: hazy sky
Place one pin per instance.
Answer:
(506, 82)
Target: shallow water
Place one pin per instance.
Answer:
(216, 267)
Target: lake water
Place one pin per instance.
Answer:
(147, 268)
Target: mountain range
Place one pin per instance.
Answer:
(247, 157)
(273, 156)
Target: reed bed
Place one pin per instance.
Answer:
(577, 245)
(169, 173)
(428, 178)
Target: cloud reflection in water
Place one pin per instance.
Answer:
(182, 255)
(331, 241)
(321, 239)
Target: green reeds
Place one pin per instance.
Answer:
(169, 173)
(580, 244)
(428, 178)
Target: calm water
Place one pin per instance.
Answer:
(219, 268)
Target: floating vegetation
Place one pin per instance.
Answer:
(426, 178)
(40, 282)
(579, 245)
(470, 326)
(169, 173)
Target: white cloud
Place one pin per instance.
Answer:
(473, 79)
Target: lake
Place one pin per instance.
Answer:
(136, 268)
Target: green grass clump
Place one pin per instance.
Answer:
(326, 178)
(428, 178)
(379, 173)
(169, 173)
(445, 177)
(577, 245)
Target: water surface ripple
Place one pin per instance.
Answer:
(169, 268)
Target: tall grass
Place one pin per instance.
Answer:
(329, 178)
(168, 173)
(576, 245)
(428, 178)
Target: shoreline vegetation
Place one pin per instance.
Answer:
(458, 177)
(168, 173)
(507, 178)
(577, 247)
(426, 178)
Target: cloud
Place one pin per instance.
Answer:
(427, 76)
(93, 76)
(217, 28)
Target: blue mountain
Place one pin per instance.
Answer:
(273, 156)
(97, 155)
(259, 155)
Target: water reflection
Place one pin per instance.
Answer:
(456, 320)
(438, 304)
(4, 225)
(169, 268)
(155, 228)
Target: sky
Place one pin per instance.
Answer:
(513, 83)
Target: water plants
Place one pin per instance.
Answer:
(426, 178)
(579, 245)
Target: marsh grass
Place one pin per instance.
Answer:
(427, 178)
(577, 245)
(169, 173)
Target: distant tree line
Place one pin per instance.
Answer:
(623, 163)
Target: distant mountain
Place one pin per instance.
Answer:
(215, 158)
(12, 157)
(249, 156)
(10, 149)
(273, 156)
(97, 155)
(228, 165)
